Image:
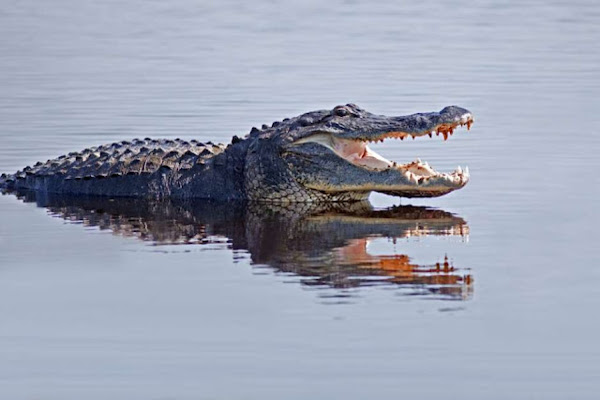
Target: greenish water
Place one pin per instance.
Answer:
(493, 295)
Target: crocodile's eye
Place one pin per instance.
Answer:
(341, 111)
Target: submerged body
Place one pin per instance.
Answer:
(320, 156)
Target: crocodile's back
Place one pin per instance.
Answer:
(128, 168)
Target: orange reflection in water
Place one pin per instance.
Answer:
(441, 277)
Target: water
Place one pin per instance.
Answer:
(173, 302)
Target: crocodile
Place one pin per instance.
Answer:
(319, 156)
(320, 245)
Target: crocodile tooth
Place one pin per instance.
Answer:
(467, 171)
(459, 169)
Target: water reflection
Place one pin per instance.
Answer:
(321, 246)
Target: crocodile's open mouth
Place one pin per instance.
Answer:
(357, 152)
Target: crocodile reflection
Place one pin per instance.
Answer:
(319, 245)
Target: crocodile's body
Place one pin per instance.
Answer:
(319, 156)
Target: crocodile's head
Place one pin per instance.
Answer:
(324, 156)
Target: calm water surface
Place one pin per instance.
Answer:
(489, 292)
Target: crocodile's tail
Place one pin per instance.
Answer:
(138, 161)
